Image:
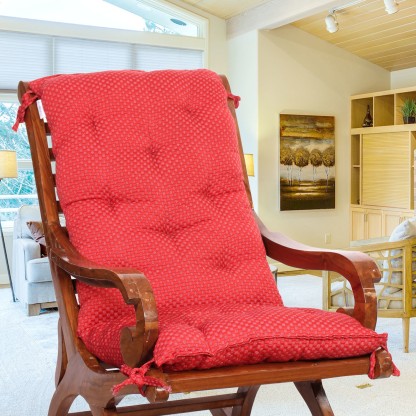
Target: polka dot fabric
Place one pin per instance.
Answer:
(148, 174)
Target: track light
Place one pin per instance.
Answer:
(391, 6)
(331, 23)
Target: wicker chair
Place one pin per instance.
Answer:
(396, 291)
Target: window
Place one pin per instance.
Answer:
(15, 192)
(60, 55)
(137, 15)
(63, 36)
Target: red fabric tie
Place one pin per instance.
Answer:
(235, 98)
(396, 371)
(138, 376)
(29, 97)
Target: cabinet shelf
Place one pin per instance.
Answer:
(382, 129)
(382, 163)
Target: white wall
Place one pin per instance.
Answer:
(243, 71)
(404, 78)
(301, 74)
(217, 45)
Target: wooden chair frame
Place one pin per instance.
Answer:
(382, 252)
(78, 372)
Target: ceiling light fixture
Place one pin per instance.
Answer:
(331, 22)
(391, 6)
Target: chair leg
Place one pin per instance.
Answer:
(315, 397)
(249, 394)
(62, 399)
(33, 309)
(62, 360)
(406, 330)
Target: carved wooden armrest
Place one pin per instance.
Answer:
(358, 268)
(136, 342)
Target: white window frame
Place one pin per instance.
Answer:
(30, 26)
(21, 164)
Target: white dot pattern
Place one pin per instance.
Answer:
(149, 176)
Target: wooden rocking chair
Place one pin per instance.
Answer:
(79, 372)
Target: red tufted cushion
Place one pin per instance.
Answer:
(217, 336)
(154, 158)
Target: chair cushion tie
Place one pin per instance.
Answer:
(28, 98)
(235, 98)
(373, 361)
(138, 376)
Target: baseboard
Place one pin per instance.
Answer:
(4, 280)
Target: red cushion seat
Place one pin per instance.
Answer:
(149, 176)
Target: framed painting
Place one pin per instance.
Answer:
(307, 162)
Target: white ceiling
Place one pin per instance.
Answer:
(365, 29)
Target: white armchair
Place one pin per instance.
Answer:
(32, 280)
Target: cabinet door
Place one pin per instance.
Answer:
(357, 224)
(391, 219)
(386, 179)
(374, 223)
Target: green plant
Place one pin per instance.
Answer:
(409, 108)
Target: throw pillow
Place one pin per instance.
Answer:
(404, 231)
(36, 229)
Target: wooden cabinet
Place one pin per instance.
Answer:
(369, 222)
(382, 164)
(366, 223)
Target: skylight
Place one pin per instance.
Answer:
(138, 15)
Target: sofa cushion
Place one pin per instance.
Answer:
(25, 213)
(38, 270)
(404, 231)
(36, 229)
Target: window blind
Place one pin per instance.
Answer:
(79, 55)
(23, 57)
(27, 56)
(150, 58)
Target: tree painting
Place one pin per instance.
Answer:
(301, 159)
(308, 144)
(316, 160)
(328, 160)
(286, 159)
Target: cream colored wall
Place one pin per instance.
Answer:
(243, 71)
(404, 78)
(300, 74)
(217, 45)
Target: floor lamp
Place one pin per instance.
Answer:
(8, 169)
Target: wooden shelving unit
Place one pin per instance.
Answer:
(382, 164)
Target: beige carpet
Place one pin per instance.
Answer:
(28, 351)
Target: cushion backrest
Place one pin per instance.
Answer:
(149, 176)
(24, 214)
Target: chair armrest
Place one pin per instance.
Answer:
(26, 249)
(136, 342)
(373, 246)
(358, 268)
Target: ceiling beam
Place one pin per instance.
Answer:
(276, 13)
